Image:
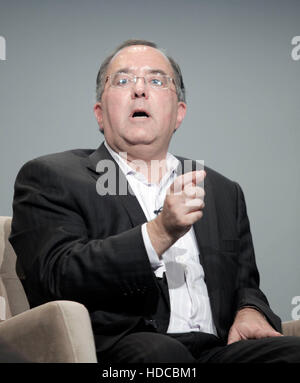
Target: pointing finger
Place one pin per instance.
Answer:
(194, 177)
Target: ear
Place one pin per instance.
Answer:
(98, 114)
(181, 112)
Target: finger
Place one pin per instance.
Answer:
(194, 191)
(194, 177)
(198, 176)
(195, 203)
(277, 334)
(270, 333)
(233, 336)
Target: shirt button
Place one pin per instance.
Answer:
(151, 322)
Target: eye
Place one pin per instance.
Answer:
(120, 80)
(156, 81)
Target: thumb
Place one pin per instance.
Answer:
(233, 336)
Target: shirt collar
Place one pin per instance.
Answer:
(172, 164)
(126, 169)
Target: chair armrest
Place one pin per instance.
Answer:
(55, 332)
(291, 328)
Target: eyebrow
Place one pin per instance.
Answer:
(128, 70)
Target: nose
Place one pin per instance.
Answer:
(139, 88)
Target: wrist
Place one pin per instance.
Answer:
(249, 309)
(160, 238)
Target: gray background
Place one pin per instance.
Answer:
(242, 88)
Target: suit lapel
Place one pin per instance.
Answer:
(127, 198)
(207, 236)
(206, 229)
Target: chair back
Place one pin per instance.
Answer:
(13, 299)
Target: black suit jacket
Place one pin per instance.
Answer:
(71, 243)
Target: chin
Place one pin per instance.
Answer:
(139, 139)
(140, 143)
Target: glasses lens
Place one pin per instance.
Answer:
(157, 80)
(121, 80)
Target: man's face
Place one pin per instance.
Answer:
(124, 130)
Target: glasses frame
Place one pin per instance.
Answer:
(135, 78)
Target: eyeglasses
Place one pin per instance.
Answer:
(126, 80)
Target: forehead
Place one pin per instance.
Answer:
(139, 57)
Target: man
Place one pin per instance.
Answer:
(165, 277)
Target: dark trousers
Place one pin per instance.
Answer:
(146, 347)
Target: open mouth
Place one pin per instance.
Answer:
(140, 114)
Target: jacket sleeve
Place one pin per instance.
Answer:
(58, 258)
(248, 292)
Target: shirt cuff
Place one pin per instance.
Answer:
(158, 266)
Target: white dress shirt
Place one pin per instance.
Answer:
(189, 301)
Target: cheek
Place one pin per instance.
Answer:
(162, 106)
(169, 112)
(116, 108)
(166, 102)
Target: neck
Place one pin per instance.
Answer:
(152, 165)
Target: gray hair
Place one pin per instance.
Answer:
(101, 77)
